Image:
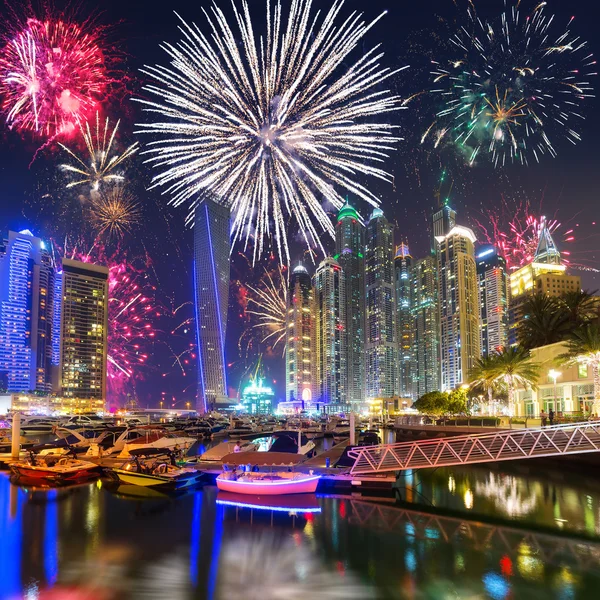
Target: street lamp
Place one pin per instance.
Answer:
(554, 375)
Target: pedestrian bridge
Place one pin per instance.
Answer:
(514, 444)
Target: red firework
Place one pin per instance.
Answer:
(53, 75)
(515, 233)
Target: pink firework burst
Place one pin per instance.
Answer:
(515, 232)
(53, 74)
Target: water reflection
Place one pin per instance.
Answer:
(94, 542)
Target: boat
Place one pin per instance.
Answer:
(54, 468)
(157, 438)
(38, 427)
(162, 472)
(218, 452)
(268, 484)
(294, 442)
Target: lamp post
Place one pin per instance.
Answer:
(554, 375)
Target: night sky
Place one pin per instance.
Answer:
(565, 188)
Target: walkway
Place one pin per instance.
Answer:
(558, 440)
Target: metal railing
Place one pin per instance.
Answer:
(477, 448)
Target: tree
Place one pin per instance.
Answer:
(483, 375)
(583, 347)
(457, 401)
(579, 307)
(514, 367)
(544, 322)
(432, 403)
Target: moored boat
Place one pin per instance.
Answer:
(268, 484)
(52, 468)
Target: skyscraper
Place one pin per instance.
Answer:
(546, 274)
(211, 279)
(458, 305)
(349, 252)
(84, 332)
(493, 299)
(26, 310)
(299, 350)
(380, 349)
(404, 320)
(444, 221)
(426, 345)
(330, 335)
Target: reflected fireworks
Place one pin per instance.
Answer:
(271, 126)
(52, 76)
(102, 163)
(513, 87)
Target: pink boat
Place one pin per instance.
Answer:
(268, 484)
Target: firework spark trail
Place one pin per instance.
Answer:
(511, 92)
(273, 126)
(102, 162)
(53, 73)
(114, 213)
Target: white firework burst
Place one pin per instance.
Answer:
(271, 127)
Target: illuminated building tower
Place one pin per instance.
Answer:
(381, 349)
(257, 399)
(26, 313)
(426, 347)
(443, 221)
(299, 358)
(546, 274)
(404, 320)
(84, 328)
(330, 336)
(493, 299)
(458, 305)
(211, 280)
(349, 252)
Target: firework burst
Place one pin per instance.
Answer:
(52, 75)
(270, 127)
(102, 163)
(513, 88)
(115, 213)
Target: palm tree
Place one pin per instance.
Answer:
(514, 367)
(483, 375)
(583, 347)
(579, 307)
(544, 322)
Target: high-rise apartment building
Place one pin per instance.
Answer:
(426, 375)
(211, 279)
(349, 252)
(404, 320)
(545, 274)
(458, 305)
(329, 288)
(381, 349)
(84, 332)
(26, 310)
(444, 221)
(299, 351)
(493, 299)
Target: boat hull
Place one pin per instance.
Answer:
(307, 485)
(47, 474)
(156, 481)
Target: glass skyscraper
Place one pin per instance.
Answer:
(211, 279)
(404, 320)
(330, 335)
(300, 365)
(349, 252)
(381, 349)
(26, 307)
(426, 376)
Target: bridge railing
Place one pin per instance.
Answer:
(495, 446)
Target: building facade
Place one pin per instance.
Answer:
(426, 347)
(211, 281)
(404, 321)
(381, 348)
(84, 331)
(458, 306)
(349, 252)
(26, 313)
(329, 287)
(493, 299)
(299, 351)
